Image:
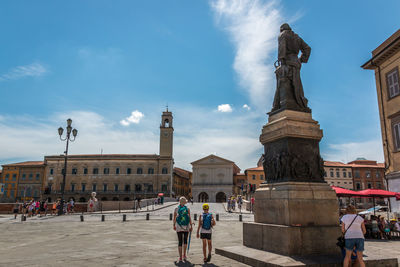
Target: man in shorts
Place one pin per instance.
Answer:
(204, 231)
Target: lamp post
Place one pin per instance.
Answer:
(67, 138)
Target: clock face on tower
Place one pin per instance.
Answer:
(166, 134)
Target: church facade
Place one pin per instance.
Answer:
(114, 176)
(213, 179)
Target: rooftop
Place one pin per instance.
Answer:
(25, 163)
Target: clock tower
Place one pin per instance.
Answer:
(166, 134)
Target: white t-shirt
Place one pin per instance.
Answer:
(355, 231)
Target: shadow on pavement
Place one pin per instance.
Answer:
(184, 264)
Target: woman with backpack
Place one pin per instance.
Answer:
(182, 224)
(206, 222)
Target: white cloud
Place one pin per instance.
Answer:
(32, 70)
(346, 152)
(224, 108)
(253, 26)
(245, 106)
(135, 117)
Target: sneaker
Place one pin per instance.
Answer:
(209, 258)
(180, 260)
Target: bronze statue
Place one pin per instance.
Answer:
(289, 92)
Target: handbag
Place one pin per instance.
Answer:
(341, 240)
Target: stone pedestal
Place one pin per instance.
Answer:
(294, 218)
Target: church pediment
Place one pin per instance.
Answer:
(212, 160)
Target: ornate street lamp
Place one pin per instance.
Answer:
(67, 138)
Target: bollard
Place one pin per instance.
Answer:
(24, 218)
(240, 217)
(103, 217)
(217, 217)
(82, 218)
(147, 216)
(170, 216)
(195, 217)
(124, 217)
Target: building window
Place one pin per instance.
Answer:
(117, 171)
(106, 170)
(379, 185)
(357, 174)
(151, 171)
(72, 187)
(74, 171)
(164, 188)
(139, 171)
(127, 188)
(95, 171)
(349, 174)
(23, 177)
(378, 174)
(396, 135)
(369, 185)
(358, 186)
(261, 177)
(83, 187)
(331, 174)
(368, 174)
(116, 187)
(150, 188)
(138, 187)
(128, 171)
(30, 176)
(392, 80)
(62, 171)
(94, 187)
(344, 174)
(104, 187)
(7, 176)
(85, 171)
(51, 171)
(337, 174)
(325, 174)
(253, 177)
(37, 176)
(164, 170)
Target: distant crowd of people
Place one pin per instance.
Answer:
(42, 208)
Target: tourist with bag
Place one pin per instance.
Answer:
(353, 230)
(182, 224)
(206, 222)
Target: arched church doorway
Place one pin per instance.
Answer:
(221, 197)
(203, 197)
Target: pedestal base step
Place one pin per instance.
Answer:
(260, 258)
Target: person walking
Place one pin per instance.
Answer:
(182, 224)
(354, 230)
(204, 231)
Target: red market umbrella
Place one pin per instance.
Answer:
(342, 192)
(160, 194)
(377, 193)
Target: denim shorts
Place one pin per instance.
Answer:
(354, 243)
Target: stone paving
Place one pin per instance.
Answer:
(65, 241)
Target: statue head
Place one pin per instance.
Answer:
(285, 27)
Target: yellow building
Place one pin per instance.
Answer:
(338, 174)
(10, 175)
(255, 176)
(385, 62)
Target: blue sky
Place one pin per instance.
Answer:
(99, 61)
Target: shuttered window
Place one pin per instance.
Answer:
(396, 136)
(393, 83)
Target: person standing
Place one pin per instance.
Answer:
(182, 224)
(204, 231)
(16, 209)
(354, 230)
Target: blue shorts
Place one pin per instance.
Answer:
(354, 243)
